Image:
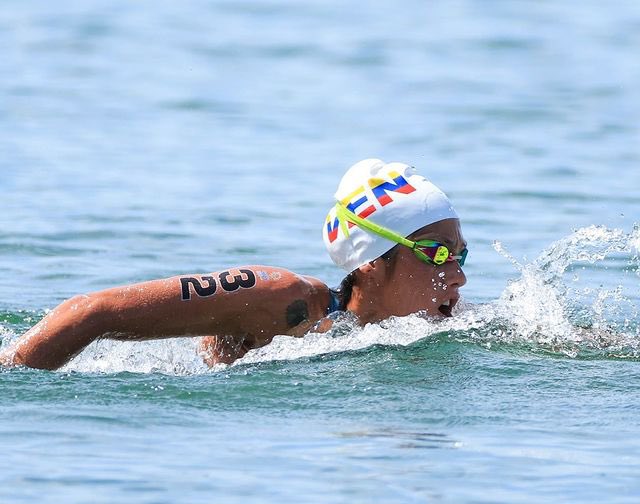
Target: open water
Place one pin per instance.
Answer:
(145, 139)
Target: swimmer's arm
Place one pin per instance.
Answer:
(253, 303)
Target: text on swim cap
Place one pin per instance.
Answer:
(380, 188)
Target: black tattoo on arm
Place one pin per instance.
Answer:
(245, 280)
(201, 291)
(297, 312)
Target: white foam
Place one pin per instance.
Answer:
(395, 331)
(176, 356)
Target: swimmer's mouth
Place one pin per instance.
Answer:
(447, 307)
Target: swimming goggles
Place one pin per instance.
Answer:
(428, 251)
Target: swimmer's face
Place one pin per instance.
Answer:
(411, 285)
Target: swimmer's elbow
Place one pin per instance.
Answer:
(88, 309)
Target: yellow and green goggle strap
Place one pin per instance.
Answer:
(440, 256)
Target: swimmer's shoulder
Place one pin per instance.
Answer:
(308, 299)
(284, 278)
(305, 299)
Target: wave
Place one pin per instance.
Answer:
(580, 298)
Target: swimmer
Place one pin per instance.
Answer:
(394, 233)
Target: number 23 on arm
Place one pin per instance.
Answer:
(238, 309)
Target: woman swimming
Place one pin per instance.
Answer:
(394, 232)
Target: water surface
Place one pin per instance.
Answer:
(142, 140)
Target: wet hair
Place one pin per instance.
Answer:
(345, 289)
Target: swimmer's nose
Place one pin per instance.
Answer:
(456, 276)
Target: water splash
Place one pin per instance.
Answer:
(578, 295)
(176, 356)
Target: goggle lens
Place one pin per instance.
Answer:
(439, 254)
(462, 257)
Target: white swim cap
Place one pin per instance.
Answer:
(392, 195)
